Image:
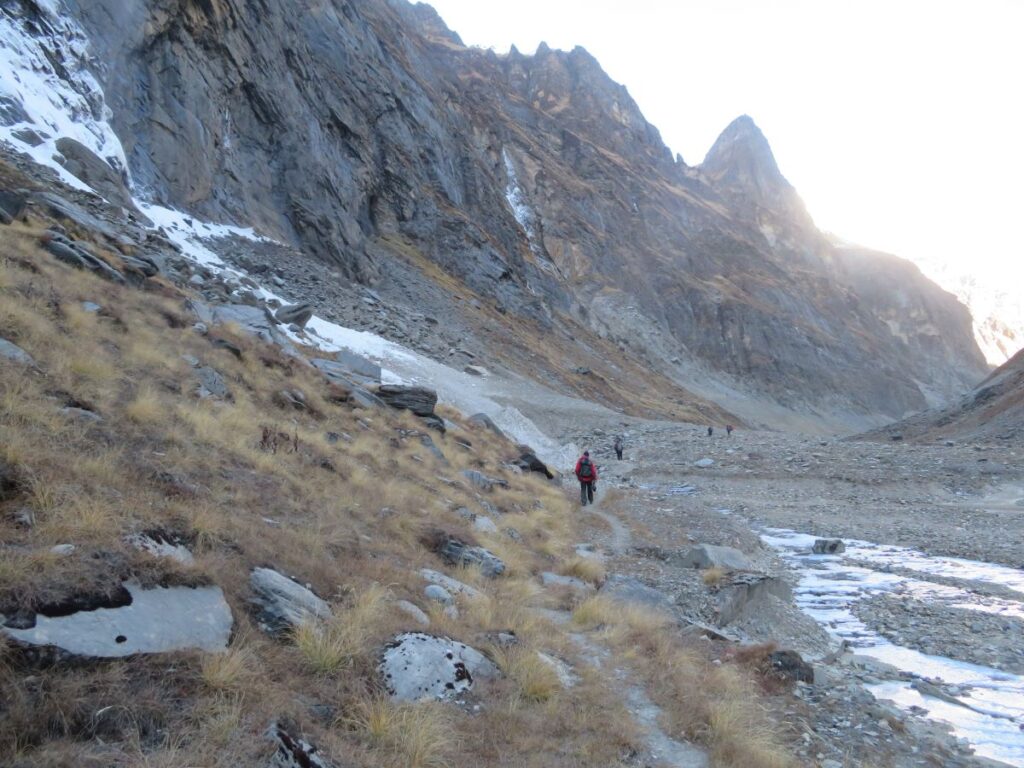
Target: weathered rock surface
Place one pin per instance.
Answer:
(448, 583)
(457, 552)
(15, 354)
(482, 481)
(299, 314)
(828, 546)
(394, 132)
(483, 420)
(713, 556)
(419, 400)
(414, 612)
(550, 579)
(629, 589)
(83, 163)
(417, 667)
(140, 620)
(283, 604)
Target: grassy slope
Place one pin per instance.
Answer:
(347, 518)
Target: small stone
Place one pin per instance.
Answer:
(414, 611)
(63, 549)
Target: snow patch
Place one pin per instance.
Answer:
(46, 89)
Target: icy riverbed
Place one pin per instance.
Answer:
(983, 705)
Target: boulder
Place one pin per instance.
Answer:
(413, 611)
(299, 314)
(15, 354)
(340, 375)
(475, 370)
(528, 461)
(12, 203)
(419, 400)
(435, 422)
(828, 546)
(789, 665)
(130, 621)
(428, 442)
(282, 604)
(711, 556)
(211, 384)
(743, 590)
(293, 752)
(416, 666)
(160, 544)
(82, 162)
(483, 420)
(704, 463)
(456, 552)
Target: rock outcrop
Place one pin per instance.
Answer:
(416, 666)
(366, 134)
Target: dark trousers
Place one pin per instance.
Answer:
(586, 492)
(618, 454)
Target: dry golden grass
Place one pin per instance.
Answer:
(586, 568)
(416, 735)
(713, 576)
(346, 517)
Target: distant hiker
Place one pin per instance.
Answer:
(728, 429)
(586, 473)
(711, 431)
(618, 447)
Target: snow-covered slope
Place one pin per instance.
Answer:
(47, 93)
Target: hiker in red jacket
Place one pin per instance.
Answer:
(586, 473)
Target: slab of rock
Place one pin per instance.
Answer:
(712, 556)
(627, 589)
(299, 314)
(416, 666)
(476, 370)
(14, 353)
(155, 620)
(293, 752)
(484, 524)
(457, 552)
(82, 162)
(733, 599)
(704, 463)
(79, 255)
(452, 585)
(419, 400)
(283, 604)
(828, 546)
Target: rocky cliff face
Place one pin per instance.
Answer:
(365, 134)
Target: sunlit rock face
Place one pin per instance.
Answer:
(366, 134)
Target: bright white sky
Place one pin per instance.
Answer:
(900, 122)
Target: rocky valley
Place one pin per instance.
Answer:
(306, 312)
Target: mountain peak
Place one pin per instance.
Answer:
(741, 149)
(741, 160)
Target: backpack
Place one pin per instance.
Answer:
(586, 470)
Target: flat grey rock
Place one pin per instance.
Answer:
(438, 594)
(283, 603)
(157, 620)
(417, 667)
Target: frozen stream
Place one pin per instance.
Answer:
(991, 717)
